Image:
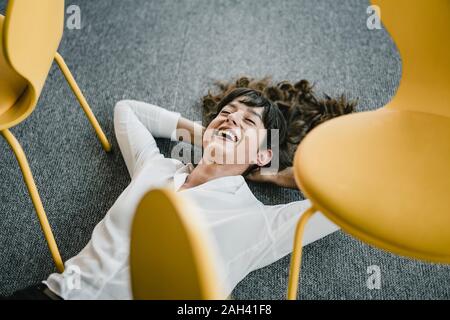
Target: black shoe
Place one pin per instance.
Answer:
(36, 292)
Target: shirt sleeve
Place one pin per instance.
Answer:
(282, 222)
(136, 124)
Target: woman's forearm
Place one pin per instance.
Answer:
(190, 131)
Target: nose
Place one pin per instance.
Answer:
(234, 117)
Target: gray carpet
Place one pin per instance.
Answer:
(168, 53)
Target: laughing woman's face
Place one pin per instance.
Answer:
(236, 135)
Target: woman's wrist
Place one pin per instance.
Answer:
(284, 178)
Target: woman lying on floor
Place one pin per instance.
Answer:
(248, 234)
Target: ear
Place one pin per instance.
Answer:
(264, 157)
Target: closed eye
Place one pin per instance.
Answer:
(250, 120)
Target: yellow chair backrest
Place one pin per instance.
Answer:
(171, 256)
(30, 35)
(421, 31)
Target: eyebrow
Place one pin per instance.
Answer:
(250, 110)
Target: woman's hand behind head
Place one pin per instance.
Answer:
(284, 178)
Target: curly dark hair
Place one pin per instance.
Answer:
(301, 108)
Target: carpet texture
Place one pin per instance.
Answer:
(169, 53)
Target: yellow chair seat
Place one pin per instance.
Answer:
(344, 165)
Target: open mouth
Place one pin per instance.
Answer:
(226, 134)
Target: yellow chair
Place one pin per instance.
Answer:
(170, 255)
(384, 175)
(30, 34)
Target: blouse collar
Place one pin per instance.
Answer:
(223, 184)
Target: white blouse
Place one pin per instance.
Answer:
(246, 233)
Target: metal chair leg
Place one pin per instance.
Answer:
(296, 258)
(82, 100)
(29, 181)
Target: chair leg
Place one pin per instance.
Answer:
(82, 100)
(296, 258)
(29, 181)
